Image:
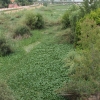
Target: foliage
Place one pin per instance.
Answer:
(89, 5)
(45, 4)
(34, 21)
(5, 49)
(21, 30)
(65, 20)
(40, 21)
(84, 66)
(5, 92)
(30, 19)
(89, 34)
(70, 17)
(89, 40)
(4, 3)
(83, 74)
(74, 17)
(24, 2)
(39, 72)
(73, 7)
(94, 15)
(43, 70)
(75, 13)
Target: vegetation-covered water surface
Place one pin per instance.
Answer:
(35, 70)
(50, 51)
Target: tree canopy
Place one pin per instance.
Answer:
(4, 3)
(24, 2)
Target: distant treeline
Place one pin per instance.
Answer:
(5, 3)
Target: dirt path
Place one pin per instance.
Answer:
(9, 10)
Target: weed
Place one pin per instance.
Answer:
(5, 49)
(21, 30)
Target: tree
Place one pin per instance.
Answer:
(24, 2)
(4, 3)
(89, 5)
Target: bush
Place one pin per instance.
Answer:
(21, 30)
(83, 75)
(83, 65)
(74, 17)
(45, 4)
(30, 19)
(5, 49)
(39, 23)
(34, 21)
(88, 6)
(65, 20)
(94, 15)
(70, 17)
(70, 37)
(5, 93)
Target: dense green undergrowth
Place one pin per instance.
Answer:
(36, 69)
(38, 73)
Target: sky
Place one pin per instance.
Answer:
(78, 0)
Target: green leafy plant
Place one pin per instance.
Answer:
(40, 22)
(21, 30)
(83, 65)
(5, 49)
(65, 20)
(34, 21)
(94, 15)
(30, 19)
(89, 5)
(45, 4)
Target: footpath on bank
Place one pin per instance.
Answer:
(8, 10)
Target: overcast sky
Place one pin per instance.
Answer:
(78, 0)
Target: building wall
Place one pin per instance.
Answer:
(12, 6)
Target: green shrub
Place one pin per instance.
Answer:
(65, 20)
(77, 33)
(30, 19)
(2, 41)
(45, 4)
(90, 34)
(70, 37)
(83, 74)
(94, 15)
(74, 17)
(34, 21)
(39, 23)
(73, 8)
(71, 17)
(5, 49)
(5, 93)
(21, 30)
(83, 65)
(89, 5)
